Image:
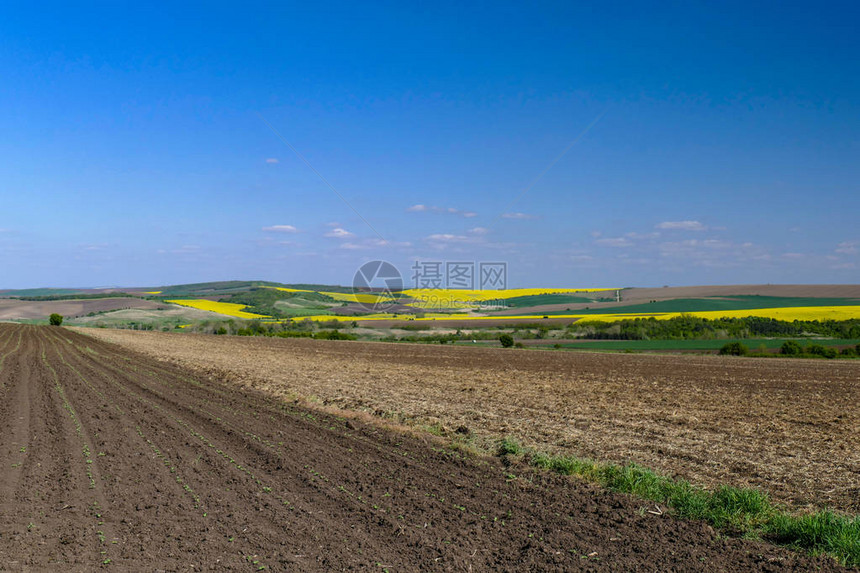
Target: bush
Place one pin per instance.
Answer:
(507, 340)
(56, 319)
(734, 349)
(334, 335)
(790, 348)
(848, 352)
(819, 350)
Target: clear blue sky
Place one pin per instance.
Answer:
(711, 145)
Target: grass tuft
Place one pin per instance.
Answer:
(746, 512)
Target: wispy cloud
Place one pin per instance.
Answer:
(681, 226)
(616, 242)
(339, 233)
(183, 250)
(281, 229)
(373, 243)
(419, 208)
(272, 160)
(476, 237)
(848, 247)
(642, 236)
(95, 247)
(519, 216)
(450, 238)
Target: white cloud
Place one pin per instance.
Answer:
(520, 216)
(681, 226)
(614, 242)
(634, 235)
(272, 160)
(339, 233)
(848, 247)
(420, 208)
(479, 231)
(373, 242)
(448, 237)
(281, 229)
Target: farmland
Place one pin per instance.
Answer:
(771, 344)
(268, 301)
(223, 308)
(115, 460)
(787, 426)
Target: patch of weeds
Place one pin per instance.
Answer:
(746, 512)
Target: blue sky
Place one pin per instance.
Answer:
(705, 145)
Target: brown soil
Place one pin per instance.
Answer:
(114, 460)
(788, 426)
(22, 309)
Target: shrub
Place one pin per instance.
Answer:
(507, 340)
(734, 349)
(819, 350)
(848, 352)
(790, 348)
(334, 335)
(55, 319)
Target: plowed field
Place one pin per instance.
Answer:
(112, 459)
(788, 426)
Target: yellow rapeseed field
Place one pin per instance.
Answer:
(447, 298)
(781, 313)
(786, 313)
(227, 308)
(464, 298)
(343, 296)
(466, 295)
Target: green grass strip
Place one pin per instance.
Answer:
(742, 511)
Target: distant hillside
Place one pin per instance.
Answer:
(40, 292)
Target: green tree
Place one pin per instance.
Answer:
(734, 349)
(790, 348)
(55, 319)
(507, 340)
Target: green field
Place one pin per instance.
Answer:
(39, 292)
(742, 302)
(702, 345)
(539, 299)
